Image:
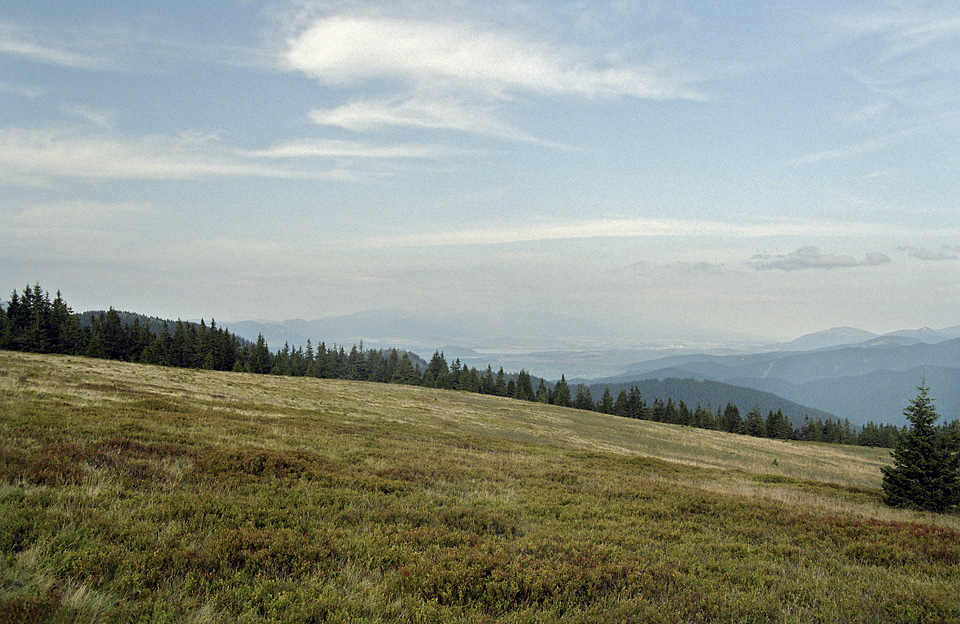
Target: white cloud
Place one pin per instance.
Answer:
(36, 156)
(41, 154)
(619, 228)
(337, 148)
(350, 50)
(418, 112)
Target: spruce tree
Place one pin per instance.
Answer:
(6, 334)
(561, 393)
(525, 386)
(926, 465)
(543, 395)
(755, 425)
(583, 400)
(606, 402)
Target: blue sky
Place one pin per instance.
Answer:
(766, 168)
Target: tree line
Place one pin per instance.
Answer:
(35, 322)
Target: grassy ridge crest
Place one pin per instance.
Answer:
(140, 493)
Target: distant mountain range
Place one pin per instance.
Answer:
(548, 345)
(870, 381)
(845, 372)
(841, 336)
(403, 328)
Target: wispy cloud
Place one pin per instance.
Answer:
(26, 91)
(922, 253)
(441, 113)
(330, 148)
(38, 156)
(43, 154)
(902, 27)
(101, 118)
(16, 43)
(618, 228)
(813, 258)
(112, 47)
(679, 268)
(853, 151)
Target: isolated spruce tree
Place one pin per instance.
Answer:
(926, 466)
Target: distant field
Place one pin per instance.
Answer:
(138, 493)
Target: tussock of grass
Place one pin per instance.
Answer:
(150, 494)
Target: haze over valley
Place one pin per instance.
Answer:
(846, 372)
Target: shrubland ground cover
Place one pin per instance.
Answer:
(138, 493)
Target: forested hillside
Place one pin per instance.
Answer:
(35, 322)
(713, 394)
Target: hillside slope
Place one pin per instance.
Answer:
(133, 493)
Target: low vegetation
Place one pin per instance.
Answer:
(35, 323)
(142, 493)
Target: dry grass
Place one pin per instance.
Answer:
(280, 413)
(156, 494)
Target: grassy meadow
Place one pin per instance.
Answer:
(134, 493)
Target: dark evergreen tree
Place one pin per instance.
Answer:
(94, 343)
(671, 414)
(406, 372)
(606, 402)
(453, 381)
(6, 335)
(281, 361)
(703, 418)
(469, 380)
(356, 363)
(636, 406)
(438, 369)
(376, 366)
(114, 339)
(621, 407)
(500, 386)
(543, 395)
(731, 421)
(755, 425)
(488, 385)
(778, 426)
(926, 467)
(561, 393)
(583, 400)
(525, 387)
(260, 358)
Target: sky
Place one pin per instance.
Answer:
(764, 168)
